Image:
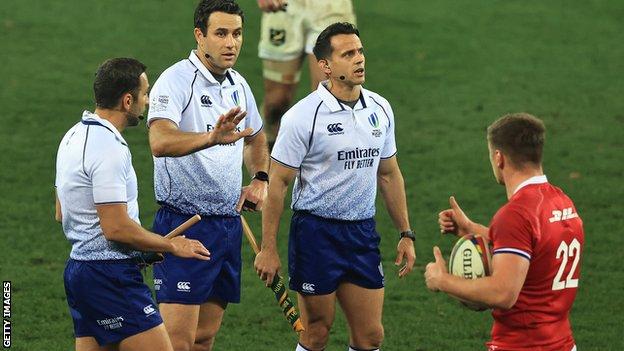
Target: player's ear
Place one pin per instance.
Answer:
(126, 101)
(499, 159)
(324, 66)
(198, 35)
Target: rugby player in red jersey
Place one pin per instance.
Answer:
(537, 239)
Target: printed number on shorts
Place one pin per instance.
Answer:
(564, 251)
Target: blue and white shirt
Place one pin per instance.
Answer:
(336, 150)
(94, 166)
(208, 181)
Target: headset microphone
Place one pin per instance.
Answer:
(342, 77)
(207, 56)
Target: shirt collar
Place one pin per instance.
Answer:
(90, 118)
(205, 72)
(541, 179)
(334, 105)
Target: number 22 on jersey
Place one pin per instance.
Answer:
(566, 251)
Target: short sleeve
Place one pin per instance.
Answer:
(292, 141)
(108, 172)
(510, 232)
(168, 98)
(389, 147)
(253, 119)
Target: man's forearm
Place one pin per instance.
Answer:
(131, 233)
(393, 192)
(484, 290)
(480, 229)
(175, 143)
(271, 214)
(256, 154)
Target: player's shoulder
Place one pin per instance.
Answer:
(105, 141)
(305, 110)
(237, 77)
(180, 72)
(511, 212)
(376, 98)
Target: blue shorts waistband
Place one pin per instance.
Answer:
(173, 209)
(133, 260)
(333, 220)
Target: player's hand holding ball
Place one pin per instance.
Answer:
(188, 248)
(435, 271)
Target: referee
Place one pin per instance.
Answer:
(96, 189)
(338, 144)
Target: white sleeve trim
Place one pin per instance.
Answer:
(511, 250)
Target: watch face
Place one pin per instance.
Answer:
(261, 176)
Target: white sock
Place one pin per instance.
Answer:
(352, 349)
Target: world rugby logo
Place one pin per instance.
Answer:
(335, 129)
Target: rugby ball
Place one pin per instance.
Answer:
(471, 259)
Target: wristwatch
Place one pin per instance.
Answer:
(408, 234)
(261, 176)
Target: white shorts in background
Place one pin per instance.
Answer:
(287, 35)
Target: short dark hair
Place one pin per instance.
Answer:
(206, 7)
(322, 47)
(116, 77)
(520, 136)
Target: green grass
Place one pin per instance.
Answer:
(449, 68)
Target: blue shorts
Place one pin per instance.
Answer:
(108, 300)
(191, 281)
(322, 253)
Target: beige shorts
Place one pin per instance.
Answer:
(288, 35)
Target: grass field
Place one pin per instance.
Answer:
(449, 68)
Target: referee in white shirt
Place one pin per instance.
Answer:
(198, 169)
(338, 144)
(96, 189)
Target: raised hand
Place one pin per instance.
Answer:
(454, 220)
(225, 131)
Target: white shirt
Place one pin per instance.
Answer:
(337, 152)
(94, 166)
(208, 181)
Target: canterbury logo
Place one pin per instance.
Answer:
(567, 213)
(335, 128)
(149, 309)
(205, 100)
(184, 286)
(307, 287)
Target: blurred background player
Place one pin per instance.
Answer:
(96, 186)
(198, 158)
(537, 240)
(288, 31)
(338, 144)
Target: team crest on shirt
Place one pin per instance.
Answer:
(277, 36)
(373, 120)
(236, 98)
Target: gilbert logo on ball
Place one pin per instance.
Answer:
(471, 259)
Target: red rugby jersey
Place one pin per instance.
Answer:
(539, 223)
